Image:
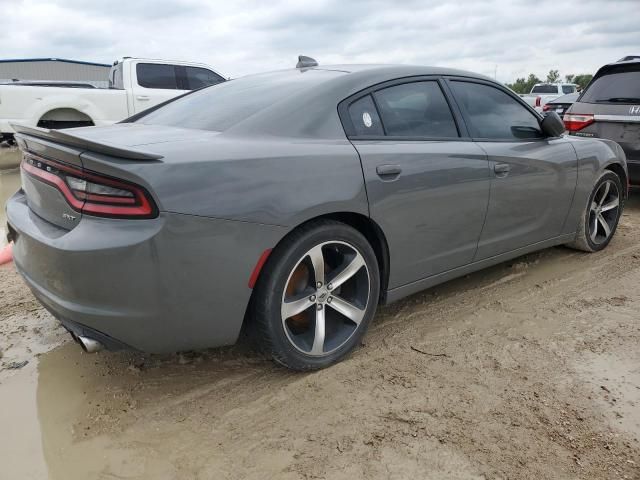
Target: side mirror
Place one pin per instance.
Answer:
(552, 125)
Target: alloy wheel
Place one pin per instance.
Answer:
(325, 298)
(603, 212)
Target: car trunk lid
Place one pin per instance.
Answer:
(38, 180)
(620, 123)
(58, 186)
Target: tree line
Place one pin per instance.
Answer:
(524, 85)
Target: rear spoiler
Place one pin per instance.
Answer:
(68, 139)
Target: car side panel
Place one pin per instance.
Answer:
(530, 203)
(283, 182)
(433, 212)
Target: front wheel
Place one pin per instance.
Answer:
(316, 296)
(602, 213)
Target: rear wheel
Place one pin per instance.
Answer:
(316, 296)
(601, 215)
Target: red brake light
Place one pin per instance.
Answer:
(577, 121)
(546, 107)
(89, 192)
(538, 101)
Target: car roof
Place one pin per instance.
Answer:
(628, 60)
(400, 70)
(311, 112)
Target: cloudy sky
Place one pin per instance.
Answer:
(238, 37)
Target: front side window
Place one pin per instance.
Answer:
(417, 109)
(364, 117)
(156, 75)
(493, 114)
(566, 89)
(201, 77)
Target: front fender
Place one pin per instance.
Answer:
(594, 156)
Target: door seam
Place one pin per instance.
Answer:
(486, 212)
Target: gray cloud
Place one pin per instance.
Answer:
(512, 37)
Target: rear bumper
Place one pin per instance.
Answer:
(177, 282)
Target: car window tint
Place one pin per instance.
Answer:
(222, 106)
(615, 87)
(494, 114)
(156, 75)
(201, 77)
(417, 109)
(364, 117)
(568, 89)
(546, 89)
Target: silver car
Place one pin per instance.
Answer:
(293, 203)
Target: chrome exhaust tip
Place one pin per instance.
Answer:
(89, 345)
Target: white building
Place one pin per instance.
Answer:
(57, 69)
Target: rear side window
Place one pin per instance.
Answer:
(201, 77)
(494, 114)
(568, 89)
(417, 109)
(545, 89)
(614, 87)
(156, 75)
(364, 117)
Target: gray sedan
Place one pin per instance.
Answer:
(293, 203)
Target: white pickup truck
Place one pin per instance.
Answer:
(541, 93)
(135, 84)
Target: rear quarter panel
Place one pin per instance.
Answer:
(277, 182)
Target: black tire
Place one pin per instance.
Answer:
(271, 331)
(584, 240)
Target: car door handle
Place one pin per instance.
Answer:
(501, 169)
(387, 171)
(142, 98)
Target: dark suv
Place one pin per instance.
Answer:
(610, 108)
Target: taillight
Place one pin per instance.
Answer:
(577, 121)
(538, 101)
(92, 193)
(546, 108)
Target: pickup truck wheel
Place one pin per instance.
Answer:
(601, 215)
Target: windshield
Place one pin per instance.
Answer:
(222, 106)
(614, 87)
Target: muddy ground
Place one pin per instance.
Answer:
(528, 370)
